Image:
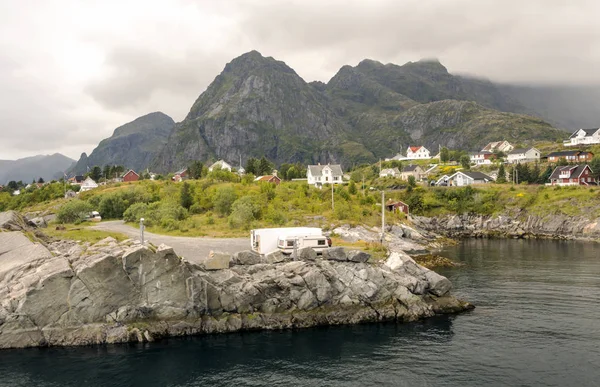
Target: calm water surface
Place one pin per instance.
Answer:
(537, 323)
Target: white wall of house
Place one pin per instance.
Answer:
(531, 154)
(460, 180)
(580, 137)
(88, 184)
(326, 177)
(421, 153)
(480, 159)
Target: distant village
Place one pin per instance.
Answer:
(498, 162)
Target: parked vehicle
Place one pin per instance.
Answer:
(264, 240)
(318, 243)
(94, 216)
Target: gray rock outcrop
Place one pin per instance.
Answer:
(111, 292)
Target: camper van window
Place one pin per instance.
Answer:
(290, 243)
(321, 242)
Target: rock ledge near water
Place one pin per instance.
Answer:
(67, 294)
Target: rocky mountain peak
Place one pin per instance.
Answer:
(253, 61)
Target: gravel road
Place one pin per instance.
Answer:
(193, 249)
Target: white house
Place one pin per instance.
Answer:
(584, 136)
(222, 164)
(318, 175)
(481, 158)
(389, 172)
(500, 146)
(442, 181)
(412, 170)
(523, 155)
(417, 152)
(462, 178)
(88, 184)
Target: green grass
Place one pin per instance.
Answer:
(82, 233)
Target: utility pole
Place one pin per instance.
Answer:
(332, 205)
(382, 214)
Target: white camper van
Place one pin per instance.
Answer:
(317, 242)
(264, 240)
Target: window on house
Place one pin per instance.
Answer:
(321, 242)
(290, 243)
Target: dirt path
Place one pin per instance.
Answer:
(192, 249)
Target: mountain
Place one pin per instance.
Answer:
(47, 167)
(133, 145)
(259, 106)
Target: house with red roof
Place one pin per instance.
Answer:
(274, 179)
(417, 153)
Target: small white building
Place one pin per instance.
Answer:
(583, 137)
(389, 172)
(412, 170)
(523, 155)
(463, 178)
(481, 158)
(417, 153)
(88, 184)
(221, 164)
(318, 175)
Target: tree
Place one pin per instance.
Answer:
(501, 179)
(543, 178)
(13, 186)
(186, 196)
(352, 187)
(195, 170)
(252, 166)
(224, 198)
(265, 167)
(444, 155)
(595, 166)
(40, 180)
(106, 172)
(465, 161)
(96, 173)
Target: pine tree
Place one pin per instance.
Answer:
(186, 199)
(501, 179)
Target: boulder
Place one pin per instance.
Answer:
(39, 222)
(397, 259)
(438, 284)
(247, 257)
(358, 256)
(307, 254)
(217, 261)
(276, 257)
(335, 254)
(12, 221)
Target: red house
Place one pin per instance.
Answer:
(131, 176)
(572, 175)
(269, 179)
(180, 175)
(397, 206)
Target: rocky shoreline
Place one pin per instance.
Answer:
(63, 293)
(518, 225)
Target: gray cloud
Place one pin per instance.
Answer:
(71, 78)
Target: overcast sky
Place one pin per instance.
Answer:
(71, 71)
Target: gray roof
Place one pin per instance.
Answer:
(410, 168)
(317, 170)
(564, 153)
(588, 132)
(575, 170)
(475, 175)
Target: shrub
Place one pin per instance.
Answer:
(135, 212)
(244, 211)
(75, 211)
(224, 199)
